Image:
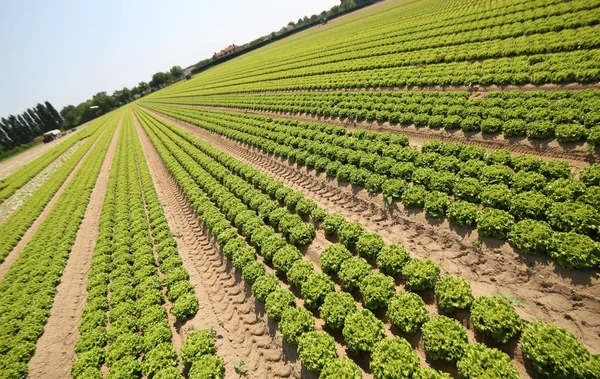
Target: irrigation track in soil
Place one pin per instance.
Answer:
(567, 298)
(18, 249)
(225, 304)
(54, 353)
(576, 154)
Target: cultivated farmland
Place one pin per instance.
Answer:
(409, 191)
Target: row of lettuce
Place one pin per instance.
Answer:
(249, 212)
(135, 272)
(538, 206)
(13, 229)
(505, 22)
(558, 48)
(18, 179)
(568, 116)
(29, 286)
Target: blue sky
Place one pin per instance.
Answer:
(65, 51)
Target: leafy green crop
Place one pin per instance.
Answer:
(444, 339)
(482, 361)
(316, 350)
(362, 330)
(453, 293)
(394, 358)
(495, 317)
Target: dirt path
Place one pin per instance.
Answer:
(225, 304)
(12, 164)
(576, 154)
(11, 204)
(16, 251)
(568, 298)
(54, 352)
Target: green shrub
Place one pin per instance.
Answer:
(565, 189)
(392, 258)
(574, 250)
(444, 339)
(570, 132)
(302, 234)
(436, 204)
(185, 306)
(406, 310)
(495, 317)
(528, 181)
(481, 361)
(514, 128)
(241, 257)
(352, 272)
(540, 129)
(494, 223)
(335, 308)
(376, 290)
(414, 196)
(590, 176)
(306, 206)
(591, 197)
(394, 358)
(295, 322)
(462, 213)
(161, 357)
(252, 271)
(497, 196)
(573, 216)
(362, 330)
(554, 352)
(278, 301)
(318, 215)
(430, 373)
(208, 367)
(332, 224)
(529, 205)
(333, 256)
(315, 288)
(420, 274)
(316, 349)
(299, 272)
(271, 245)
(393, 189)
(197, 344)
(369, 245)
(350, 233)
(593, 137)
(531, 237)
(453, 293)
(344, 368)
(127, 367)
(285, 257)
(496, 174)
(264, 285)
(556, 169)
(467, 189)
(500, 156)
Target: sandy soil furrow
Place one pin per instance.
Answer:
(16, 251)
(576, 153)
(54, 352)
(12, 164)
(10, 205)
(225, 304)
(568, 298)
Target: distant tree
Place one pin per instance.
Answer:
(143, 87)
(30, 133)
(158, 80)
(314, 18)
(55, 115)
(176, 72)
(299, 22)
(66, 110)
(291, 23)
(122, 96)
(347, 4)
(31, 124)
(104, 102)
(5, 141)
(32, 113)
(48, 122)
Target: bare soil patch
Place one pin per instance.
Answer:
(568, 298)
(54, 352)
(10, 205)
(12, 164)
(225, 303)
(16, 251)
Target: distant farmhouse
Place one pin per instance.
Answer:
(226, 51)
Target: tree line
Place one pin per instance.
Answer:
(35, 121)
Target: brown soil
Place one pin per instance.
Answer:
(16, 251)
(225, 304)
(12, 164)
(568, 298)
(11, 204)
(54, 352)
(575, 153)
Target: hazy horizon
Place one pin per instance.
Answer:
(65, 52)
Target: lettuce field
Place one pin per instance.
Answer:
(411, 190)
